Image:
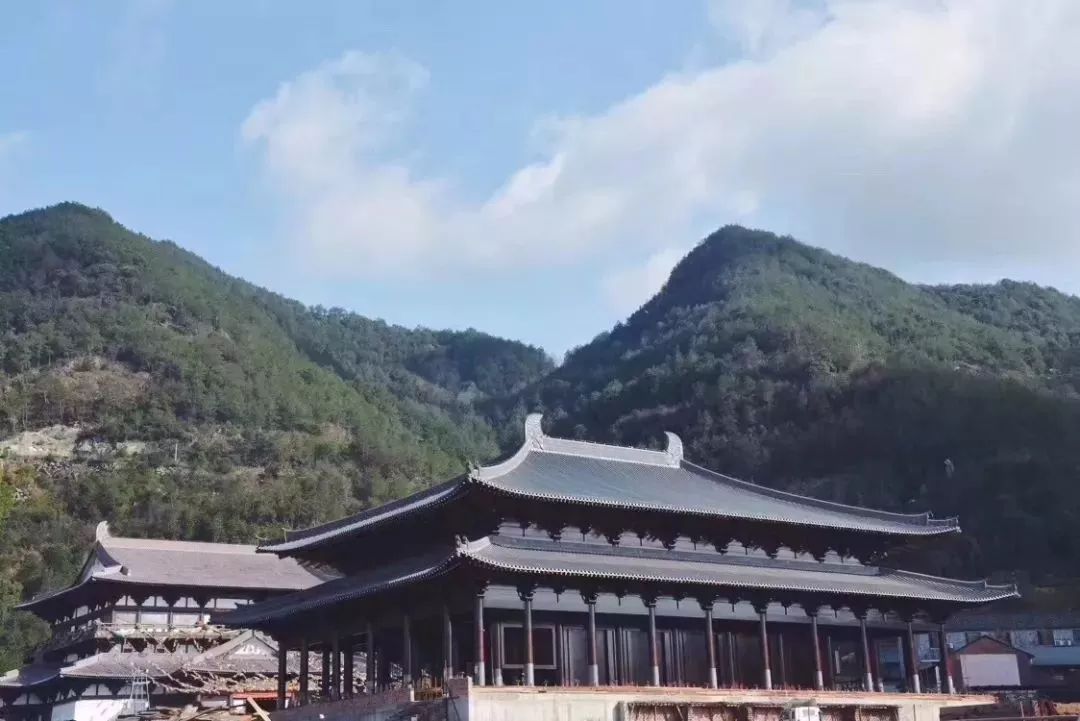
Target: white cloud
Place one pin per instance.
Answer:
(627, 288)
(917, 136)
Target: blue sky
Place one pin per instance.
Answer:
(534, 170)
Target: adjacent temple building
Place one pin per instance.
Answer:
(575, 580)
(134, 631)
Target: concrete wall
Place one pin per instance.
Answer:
(692, 704)
(464, 702)
(377, 707)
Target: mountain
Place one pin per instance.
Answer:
(140, 384)
(802, 370)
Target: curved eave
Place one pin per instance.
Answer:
(934, 529)
(966, 592)
(318, 536)
(342, 590)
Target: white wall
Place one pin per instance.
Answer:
(104, 709)
(989, 669)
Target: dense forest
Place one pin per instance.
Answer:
(796, 368)
(141, 385)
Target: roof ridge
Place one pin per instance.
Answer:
(537, 441)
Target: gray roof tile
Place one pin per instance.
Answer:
(581, 472)
(593, 561)
(188, 564)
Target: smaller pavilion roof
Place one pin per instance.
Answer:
(114, 664)
(30, 675)
(187, 564)
(533, 557)
(248, 653)
(593, 474)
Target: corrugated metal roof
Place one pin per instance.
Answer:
(1055, 655)
(1012, 620)
(574, 471)
(593, 561)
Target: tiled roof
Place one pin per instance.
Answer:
(189, 564)
(595, 561)
(234, 657)
(559, 469)
(711, 569)
(373, 581)
(114, 664)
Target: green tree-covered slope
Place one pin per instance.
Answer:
(800, 369)
(142, 385)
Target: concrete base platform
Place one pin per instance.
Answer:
(465, 702)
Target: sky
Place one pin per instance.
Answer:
(535, 170)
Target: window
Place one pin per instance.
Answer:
(227, 604)
(1063, 637)
(154, 618)
(1024, 638)
(123, 617)
(543, 646)
(185, 619)
(956, 639)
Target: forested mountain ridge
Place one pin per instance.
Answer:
(797, 368)
(142, 385)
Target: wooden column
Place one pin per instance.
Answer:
(347, 672)
(830, 663)
(448, 646)
(947, 682)
(282, 672)
(819, 677)
(914, 682)
(530, 669)
(734, 680)
(325, 671)
(335, 666)
(654, 647)
(710, 643)
(304, 696)
(406, 651)
(479, 673)
(781, 665)
(497, 654)
(764, 626)
(864, 656)
(370, 672)
(590, 643)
